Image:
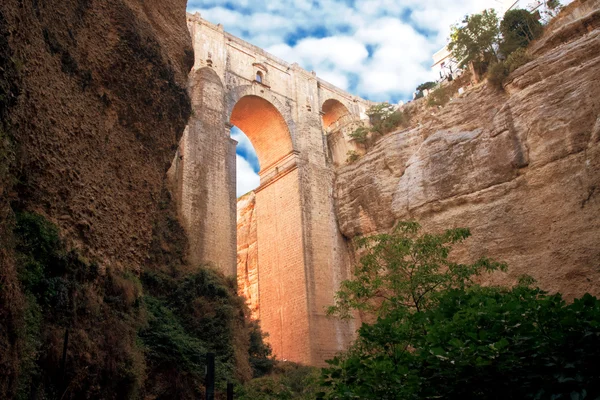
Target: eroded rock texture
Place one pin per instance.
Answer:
(247, 252)
(521, 169)
(102, 106)
(93, 102)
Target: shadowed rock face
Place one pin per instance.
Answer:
(103, 104)
(93, 102)
(521, 169)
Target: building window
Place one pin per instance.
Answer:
(259, 77)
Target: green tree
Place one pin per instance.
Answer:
(384, 118)
(406, 270)
(476, 39)
(518, 28)
(432, 333)
(400, 276)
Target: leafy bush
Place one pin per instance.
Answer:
(475, 39)
(127, 338)
(288, 381)
(519, 28)
(65, 292)
(440, 96)
(352, 156)
(261, 359)
(432, 333)
(385, 118)
(517, 58)
(422, 87)
(498, 72)
(360, 134)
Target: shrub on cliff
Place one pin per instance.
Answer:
(287, 381)
(127, 338)
(385, 118)
(100, 311)
(518, 28)
(440, 96)
(432, 333)
(498, 72)
(475, 39)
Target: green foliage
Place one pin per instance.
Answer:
(193, 316)
(432, 333)
(260, 352)
(518, 28)
(123, 343)
(360, 134)
(422, 87)
(498, 72)
(426, 86)
(288, 381)
(517, 59)
(515, 344)
(405, 271)
(475, 39)
(352, 156)
(63, 291)
(440, 96)
(385, 118)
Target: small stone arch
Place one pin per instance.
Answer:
(333, 112)
(338, 124)
(207, 90)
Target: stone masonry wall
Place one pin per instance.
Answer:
(300, 254)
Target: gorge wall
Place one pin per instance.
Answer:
(521, 169)
(93, 102)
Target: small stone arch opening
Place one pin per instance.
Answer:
(260, 77)
(334, 113)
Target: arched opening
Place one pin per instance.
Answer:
(338, 124)
(333, 113)
(270, 251)
(259, 76)
(247, 164)
(266, 128)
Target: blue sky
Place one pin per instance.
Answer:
(377, 49)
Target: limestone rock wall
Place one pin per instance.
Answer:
(93, 102)
(521, 169)
(103, 104)
(247, 252)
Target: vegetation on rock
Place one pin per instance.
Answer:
(434, 333)
(475, 40)
(384, 118)
(287, 381)
(518, 28)
(125, 337)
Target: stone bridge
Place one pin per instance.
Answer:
(298, 125)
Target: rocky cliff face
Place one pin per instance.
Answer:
(520, 168)
(93, 102)
(102, 106)
(247, 252)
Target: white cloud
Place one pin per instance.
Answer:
(247, 179)
(378, 49)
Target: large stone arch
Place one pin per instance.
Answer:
(234, 95)
(333, 111)
(282, 300)
(266, 128)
